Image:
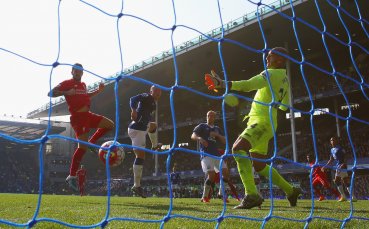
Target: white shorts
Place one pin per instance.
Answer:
(341, 173)
(138, 137)
(211, 164)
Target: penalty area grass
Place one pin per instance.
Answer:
(59, 211)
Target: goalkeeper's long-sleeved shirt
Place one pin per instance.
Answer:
(280, 88)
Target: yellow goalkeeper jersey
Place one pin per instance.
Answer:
(280, 88)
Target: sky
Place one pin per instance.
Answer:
(89, 36)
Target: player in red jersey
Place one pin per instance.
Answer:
(81, 173)
(81, 119)
(319, 178)
(230, 184)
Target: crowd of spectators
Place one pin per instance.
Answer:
(19, 172)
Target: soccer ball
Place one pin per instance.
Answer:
(116, 156)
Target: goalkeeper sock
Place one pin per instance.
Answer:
(244, 167)
(277, 179)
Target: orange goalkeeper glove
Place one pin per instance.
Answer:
(213, 81)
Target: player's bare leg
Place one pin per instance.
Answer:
(339, 183)
(346, 180)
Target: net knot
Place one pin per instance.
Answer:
(120, 15)
(118, 78)
(56, 64)
(44, 139)
(103, 224)
(31, 223)
(166, 218)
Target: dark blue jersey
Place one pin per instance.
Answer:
(338, 153)
(203, 130)
(175, 178)
(145, 106)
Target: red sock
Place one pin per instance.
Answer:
(233, 189)
(98, 134)
(76, 161)
(317, 191)
(210, 193)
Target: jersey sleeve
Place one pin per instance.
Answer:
(198, 130)
(133, 101)
(63, 86)
(255, 83)
(285, 100)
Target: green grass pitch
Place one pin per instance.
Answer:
(90, 210)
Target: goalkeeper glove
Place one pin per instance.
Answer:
(213, 81)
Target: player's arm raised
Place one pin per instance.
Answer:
(214, 82)
(56, 92)
(133, 103)
(100, 89)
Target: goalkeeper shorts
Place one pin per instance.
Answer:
(258, 133)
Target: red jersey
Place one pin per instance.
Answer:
(317, 172)
(80, 99)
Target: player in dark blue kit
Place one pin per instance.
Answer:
(341, 177)
(175, 178)
(208, 136)
(143, 107)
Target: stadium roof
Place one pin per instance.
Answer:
(27, 129)
(196, 58)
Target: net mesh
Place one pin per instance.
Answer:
(218, 36)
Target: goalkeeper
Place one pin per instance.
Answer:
(253, 141)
